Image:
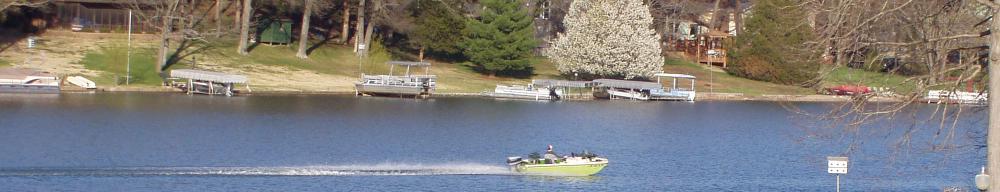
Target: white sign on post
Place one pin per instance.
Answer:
(836, 165)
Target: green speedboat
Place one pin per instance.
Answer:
(583, 165)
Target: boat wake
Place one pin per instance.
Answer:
(345, 170)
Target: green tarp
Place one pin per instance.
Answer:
(275, 31)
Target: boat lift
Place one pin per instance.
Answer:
(208, 82)
(674, 92)
(623, 89)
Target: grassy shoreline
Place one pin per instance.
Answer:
(333, 68)
(702, 97)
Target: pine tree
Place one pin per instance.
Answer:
(500, 40)
(772, 47)
(437, 28)
(608, 38)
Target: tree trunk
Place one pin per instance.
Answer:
(421, 57)
(368, 38)
(238, 16)
(738, 16)
(181, 8)
(304, 33)
(218, 21)
(713, 23)
(359, 33)
(346, 30)
(993, 132)
(245, 27)
(161, 55)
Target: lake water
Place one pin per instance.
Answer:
(174, 142)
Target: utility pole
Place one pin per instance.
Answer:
(128, 57)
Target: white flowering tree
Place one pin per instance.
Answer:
(608, 38)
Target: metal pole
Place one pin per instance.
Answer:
(838, 182)
(128, 59)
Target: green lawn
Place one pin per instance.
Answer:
(720, 81)
(340, 60)
(849, 76)
(112, 62)
(336, 59)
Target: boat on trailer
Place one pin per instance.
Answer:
(392, 85)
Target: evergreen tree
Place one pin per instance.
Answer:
(437, 27)
(772, 47)
(500, 40)
(608, 38)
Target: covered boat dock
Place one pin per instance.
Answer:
(623, 89)
(571, 90)
(675, 91)
(208, 82)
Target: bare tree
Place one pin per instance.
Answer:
(185, 15)
(245, 27)
(359, 33)
(217, 19)
(238, 17)
(22, 3)
(163, 13)
(304, 33)
(346, 25)
(928, 33)
(993, 132)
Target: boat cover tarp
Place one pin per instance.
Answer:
(623, 84)
(207, 76)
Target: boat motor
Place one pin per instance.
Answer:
(513, 160)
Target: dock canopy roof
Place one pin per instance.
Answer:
(686, 76)
(408, 63)
(561, 83)
(207, 76)
(614, 83)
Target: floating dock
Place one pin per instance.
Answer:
(15, 80)
(391, 85)
(957, 97)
